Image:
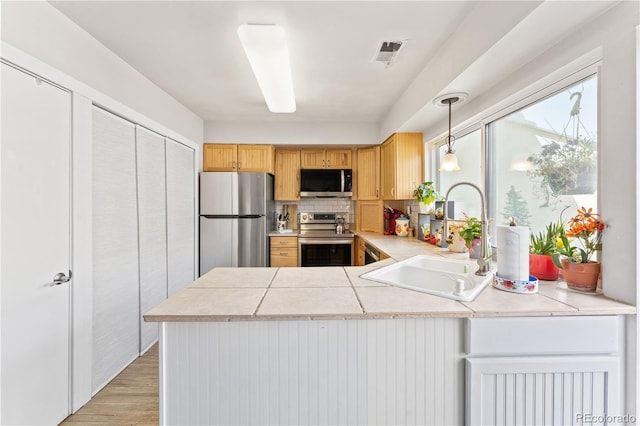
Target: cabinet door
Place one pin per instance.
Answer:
(338, 159)
(359, 244)
(370, 216)
(369, 173)
(388, 169)
(255, 158)
(287, 175)
(152, 224)
(409, 171)
(180, 215)
(116, 302)
(220, 157)
(312, 159)
(541, 390)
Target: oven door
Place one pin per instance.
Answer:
(325, 251)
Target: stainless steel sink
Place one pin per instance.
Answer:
(441, 277)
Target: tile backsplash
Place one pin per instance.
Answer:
(338, 205)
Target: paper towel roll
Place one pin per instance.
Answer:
(513, 252)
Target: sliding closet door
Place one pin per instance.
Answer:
(116, 306)
(152, 228)
(180, 215)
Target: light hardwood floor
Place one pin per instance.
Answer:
(129, 399)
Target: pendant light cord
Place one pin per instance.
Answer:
(450, 139)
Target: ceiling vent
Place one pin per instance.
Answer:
(387, 51)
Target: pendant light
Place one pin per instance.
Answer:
(450, 160)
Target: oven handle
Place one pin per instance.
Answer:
(303, 241)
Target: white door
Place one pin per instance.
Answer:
(152, 228)
(35, 234)
(180, 216)
(115, 286)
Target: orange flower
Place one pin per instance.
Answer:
(587, 228)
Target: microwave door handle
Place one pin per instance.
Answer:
(341, 180)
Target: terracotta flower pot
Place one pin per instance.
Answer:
(581, 276)
(542, 267)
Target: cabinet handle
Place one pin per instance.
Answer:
(284, 254)
(233, 165)
(393, 192)
(377, 193)
(238, 165)
(322, 163)
(328, 163)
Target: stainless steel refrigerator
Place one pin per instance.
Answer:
(236, 215)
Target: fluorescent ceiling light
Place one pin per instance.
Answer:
(266, 48)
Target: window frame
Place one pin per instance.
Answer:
(532, 94)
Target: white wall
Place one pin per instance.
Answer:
(291, 133)
(39, 29)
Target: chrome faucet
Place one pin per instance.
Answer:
(484, 265)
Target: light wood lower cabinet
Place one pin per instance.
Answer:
(359, 260)
(284, 251)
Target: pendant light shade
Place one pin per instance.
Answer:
(450, 160)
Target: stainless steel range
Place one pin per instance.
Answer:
(321, 243)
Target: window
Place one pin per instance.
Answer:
(544, 158)
(469, 152)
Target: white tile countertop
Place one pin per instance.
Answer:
(240, 294)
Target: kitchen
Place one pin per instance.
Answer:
(34, 36)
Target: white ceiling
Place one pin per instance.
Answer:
(191, 50)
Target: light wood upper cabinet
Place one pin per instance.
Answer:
(368, 173)
(220, 157)
(338, 158)
(312, 158)
(402, 165)
(325, 158)
(287, 175)
(256, 158)
(238, 158)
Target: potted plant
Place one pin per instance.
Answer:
(580, 272)
(425, 194)
(471, 233)
(567, 164)
(543, 246)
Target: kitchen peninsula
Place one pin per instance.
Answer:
(322, 345)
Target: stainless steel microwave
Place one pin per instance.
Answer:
(325, 183)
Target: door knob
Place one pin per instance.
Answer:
(61, 278)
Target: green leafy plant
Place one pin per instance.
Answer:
(426, 193)
(545, 242)
(471, 230)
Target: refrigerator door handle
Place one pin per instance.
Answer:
(234, 243)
